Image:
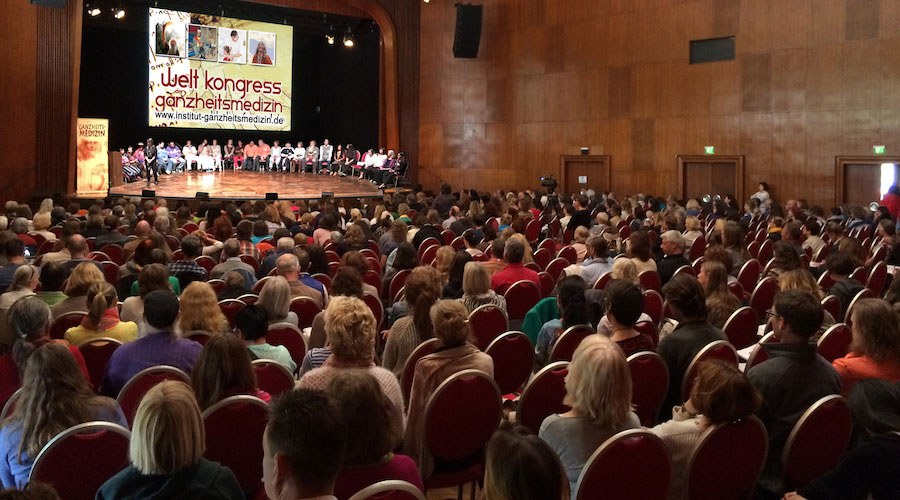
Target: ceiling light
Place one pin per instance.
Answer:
(118, 12)
(348, 38)
(92, 9)
(330, 39)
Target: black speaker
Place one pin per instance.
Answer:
(202, 195)
(271, 196)
(468, 31)
(148, 193)
(56, 4)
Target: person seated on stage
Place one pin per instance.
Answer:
(312, 157)
(263, 151)
(398, 169)
(174, 154)
(250, 153)
(366, 162)
(238, 156)
(325, 153)
(216, 153)
(274, 156)
(204, 158)
(162, 159)
(298, 161)
(337, 163)
(190, 154)
(287, 154)
(139, 156)
(228, 154)
(352, 156)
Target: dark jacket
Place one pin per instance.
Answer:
(790, 381)
(425, 233)
(677, 350)
(206, 480)
(845, 290)
(580, 218)
(443, 203)
(870, 468)
(667, 266)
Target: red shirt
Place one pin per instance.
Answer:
(892, 202)
(512, 273)
(352, 479)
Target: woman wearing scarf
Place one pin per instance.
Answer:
(102, 319)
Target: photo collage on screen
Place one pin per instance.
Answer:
(214, 44)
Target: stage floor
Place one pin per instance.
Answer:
(240, 185)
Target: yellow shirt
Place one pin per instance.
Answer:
(125, 331)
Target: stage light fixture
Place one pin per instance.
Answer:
(92, 9)
(118, 12)
(330, 39)
(348, 38)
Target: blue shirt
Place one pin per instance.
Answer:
(545, 339)
(14, 474)
(311, 282)
(158, 348)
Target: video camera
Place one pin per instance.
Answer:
(550, 183)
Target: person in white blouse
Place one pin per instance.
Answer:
(216, 153)
(236, 50)
(366, 162)
(190, 154)
(275, 156)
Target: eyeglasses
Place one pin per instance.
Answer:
(772, 314)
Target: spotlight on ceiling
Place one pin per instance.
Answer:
(118, 12)
(330, 36)
(92, 9)
(348, 38)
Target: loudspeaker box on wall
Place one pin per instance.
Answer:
(468, 31)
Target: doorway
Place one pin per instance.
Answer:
(579, 172)
(700, 175)
(860, 180)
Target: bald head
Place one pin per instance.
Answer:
(76, 246)
(285, 243)
(288, 266)
(142, 229)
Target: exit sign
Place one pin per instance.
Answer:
(879, 150)
(710, 150)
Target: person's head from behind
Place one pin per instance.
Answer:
(712, 276)
(28, 319)
(232, 248)
(451, 322)
(288, 267)
(840, 264)
(475, 279)
(350, 330)
(875, 406)
(355, 260)
(638, 246)
(233, 279)
(303, 446)
(598, 385)
(597, 247)
(797, 313)
(275, 297)
(686, 297)
(347, 282)
(26, 277)
(100, 297)
(252, 323)
(33, 490)
(624, 269)
(161, 309)
(367, 416)
(52, 276)
(423, 289)
(624, 303)
(514, 251)
(457, 268)
(521, 466)
(406, 256)
(222, 368)
(800, 279)
(168, 434)
(571, 300)
(876, 330)
(14, 249)
(722, 393)
(785, 256)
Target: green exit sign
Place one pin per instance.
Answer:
(879, 150)
(710, 150)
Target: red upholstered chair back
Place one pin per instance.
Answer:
(766, 251)
(426, 244)
(429, 254)
(461, 415)
(409, 368)
(61, 324)
(863, 294)
(230, 308)
(817, 441)
(564, 347)
(740, 328)
(217, 285)
(272, 377)
(398, 282)
(206, 262)
(835, 342)
(602, 281)
(697, 264)
(199, 336)
(859, 274)
(521, 296)
(543, 396)
(375, 306)
(10, 404)
(81, 458)
(290, 337)
(649, 328)
(323, 279)
(631, 464)
(653, 305)
(548, 283)
(698, 247)
(831, 304)
(749, 274)
(542, 257)
(568, 235)
(96, 354)
(737, 290)
(134, 390)
(726, 463)
(720, 349)
(763, 296)
(110, 272)
(373, 246)
(261, 283)
(306, 309)
(486, 323)
(331, 255)
(556, 266)
(374, 265)
(649, 383)
(685, 269)
(513, 356)
(458, 243)
(759, 353)
(392, 489)
(568, 253)
(333, 268)
(533, 230)
(650, 280)
(373, 278)
(549, 245)
(826, 281)
(448, 236)
(234, 431)
(251, 261)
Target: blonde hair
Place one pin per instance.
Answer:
(800, 279)
(624, 269)
(692, 204)
(168, 434)
(275, 298)
(598, 385)
(444, 259)
(527, 258)
(46, 206)
(581, 234)
(475, 279)
(691, 223)
(451, 322)
(41, 221)
(350, 329)
(100, 297)
(82, 277)
(200, 309)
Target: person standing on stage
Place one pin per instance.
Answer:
(250, 152)
(216, 151)
(350, 161)
(325, 153)
(150, 162)
(337, 163)
(287, 155)
(312, 157)
(299, 159)
(228, 156)
(190, 154)
(275, 157)
(174, 153)
(262, 155)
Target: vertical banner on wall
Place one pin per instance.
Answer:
(92, 165)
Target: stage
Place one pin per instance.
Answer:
(246, 185)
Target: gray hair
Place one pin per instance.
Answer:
(675, 237)
(28, 318)
(19, 225)
(285, 243)
(232, 247)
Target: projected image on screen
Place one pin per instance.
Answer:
(218, 72)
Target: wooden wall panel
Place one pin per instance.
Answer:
(812, 79)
